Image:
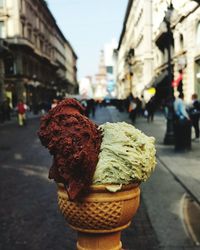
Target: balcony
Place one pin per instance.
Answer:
(20, 41)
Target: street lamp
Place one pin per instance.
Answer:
(169, 135)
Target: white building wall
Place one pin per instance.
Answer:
(108, 52)
(186, 28)
(137, 36)
(143, 27)
(183, 21)
(9, 15)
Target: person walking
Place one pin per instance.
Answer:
(151, 107)
(7, 109)
(21, 109)
(91, 107)
(54, 103)
(194, 112)
(182, 125)
(143, 105)
(132, 109)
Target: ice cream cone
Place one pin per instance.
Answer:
(101, 216)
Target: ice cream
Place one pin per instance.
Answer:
(74, 141)
(84, 154)
(127, 155)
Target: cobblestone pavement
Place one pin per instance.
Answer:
(29, 215)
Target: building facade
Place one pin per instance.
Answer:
(3, 52)
(185, 46)
(71, 69)
(36, 68)
(135, 58)
(186, 25)
(147, 47)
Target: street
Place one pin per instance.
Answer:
(29, 214)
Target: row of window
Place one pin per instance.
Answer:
(37, 20)
(39, 43)
(41, 22)
(181, 38)
(34, 38)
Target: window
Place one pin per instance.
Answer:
(109, 69)
(2, 31)
(9, 66)
(30, 34)
(35, 40)
(41, 45)
(198, 34)
(1, 3)
(181, 42)
(23, 29)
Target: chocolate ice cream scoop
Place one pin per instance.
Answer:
(74, 141)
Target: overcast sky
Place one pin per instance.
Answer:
(88, 25)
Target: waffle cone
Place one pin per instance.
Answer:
(100, 216)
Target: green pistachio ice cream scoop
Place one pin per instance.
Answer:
(126, 155)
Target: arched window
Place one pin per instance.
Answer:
(198, 34)
(181, 41)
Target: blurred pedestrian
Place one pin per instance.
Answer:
(91, 107)
(194, 112)
(6, 109)
(151, 107)
(132, 109)
(182, 125)
(84, 103)
(21, 109)
(138, 107)
(143, 105)
(54, 103)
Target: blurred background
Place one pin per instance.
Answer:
(134, 61)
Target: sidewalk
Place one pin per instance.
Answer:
(185, 167)
(175, 180)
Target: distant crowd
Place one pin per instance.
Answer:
(184, 116)
(180, 116)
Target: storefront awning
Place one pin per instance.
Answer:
(156, 80)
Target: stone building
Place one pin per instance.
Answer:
(186, 31)
(147, 47)
(3, 52)
(71, 69)
(185, 46)
(42, 62)
(135, 58)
